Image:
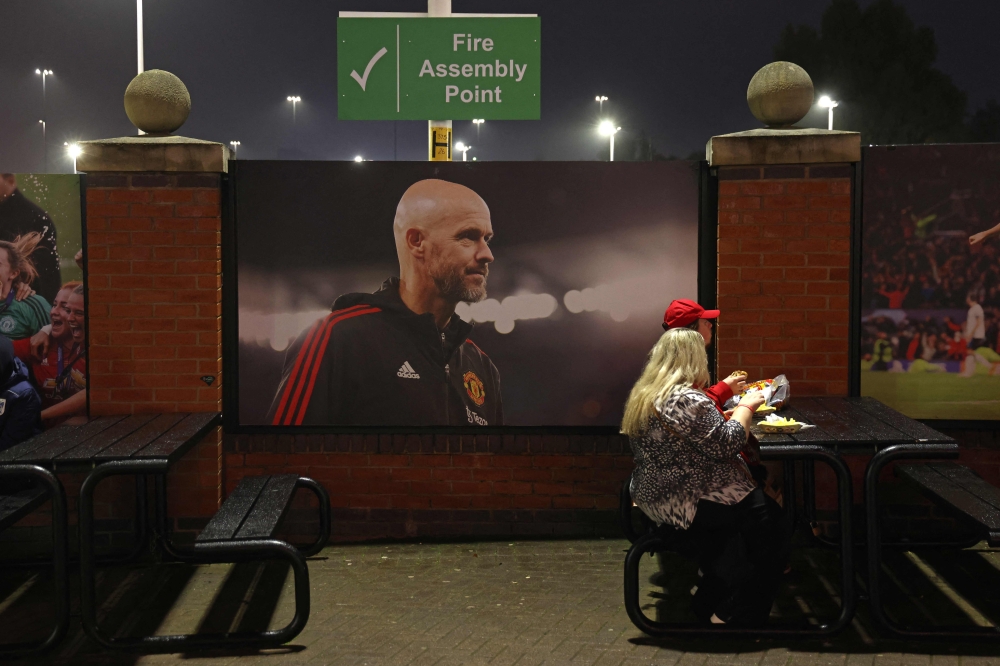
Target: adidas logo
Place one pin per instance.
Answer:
(407, 371)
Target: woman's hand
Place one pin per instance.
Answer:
(752, 400)
(23, 291)
(40, 345)
(743, 413)
(736, 382)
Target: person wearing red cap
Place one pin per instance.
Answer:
(685, 313)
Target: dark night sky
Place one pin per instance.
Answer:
(677, 70)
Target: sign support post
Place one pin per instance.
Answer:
(439, 131)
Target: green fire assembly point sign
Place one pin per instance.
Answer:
(439, 68)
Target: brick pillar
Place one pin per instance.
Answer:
(784, 252)
(154, 291)
(154, 282)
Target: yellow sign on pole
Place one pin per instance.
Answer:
(439, 141)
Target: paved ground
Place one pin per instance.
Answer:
(525, 603)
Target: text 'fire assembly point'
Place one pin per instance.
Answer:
(426, 68)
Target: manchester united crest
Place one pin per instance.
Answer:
(474, 387)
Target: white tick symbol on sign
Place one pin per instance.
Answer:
(363, 80)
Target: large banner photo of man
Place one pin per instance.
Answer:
(43, 376)
(412, 294)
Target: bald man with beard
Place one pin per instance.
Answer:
(401, 356)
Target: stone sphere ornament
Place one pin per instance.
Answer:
(780, 94)
(157, 102)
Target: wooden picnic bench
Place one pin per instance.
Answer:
(147, 445)
(859, 425)
(650, 538)
(242, 530)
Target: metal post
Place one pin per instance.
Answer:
(45, 149)
(612, 148)
(60, 558)
(138, 32)
(141, 59)
(439, 131)
(830, 116)
(658, 540)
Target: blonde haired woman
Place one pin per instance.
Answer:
(688, 475)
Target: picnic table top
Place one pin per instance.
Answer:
(164, 437)
(851, 424)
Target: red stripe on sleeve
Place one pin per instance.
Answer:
(293, 377)
(314, 369)
(477, 347)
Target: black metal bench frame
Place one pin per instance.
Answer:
(658, 540)
(883, 458)
(237, 550)
(53, 491)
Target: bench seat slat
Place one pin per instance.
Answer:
(970, 481)
(952, 493)
(17, 505)
(226, 523)
(271, 506)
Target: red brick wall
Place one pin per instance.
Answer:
(783, 276)
(154, 276)
(438, 485)
(154, 281)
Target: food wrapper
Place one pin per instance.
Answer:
(776, 392)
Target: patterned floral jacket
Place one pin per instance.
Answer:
(688, 454)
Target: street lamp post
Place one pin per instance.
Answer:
(138, 37)
(45, 73)
(478, 123)
(74, 151)
(601, 99)
(608, 128)
(235, 145)
(294, 99)
(139, 43)
(45, 149)
(828, 103)
(465, 150)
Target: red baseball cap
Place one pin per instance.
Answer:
(684, 312)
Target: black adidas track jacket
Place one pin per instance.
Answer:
(373, 361)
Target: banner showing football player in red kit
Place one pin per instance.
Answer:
(930, 320)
